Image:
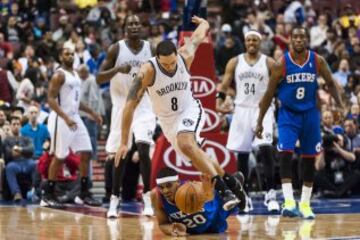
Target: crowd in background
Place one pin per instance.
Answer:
(33, 32)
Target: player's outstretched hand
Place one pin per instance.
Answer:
(197, 20)
(259, 130)
(120, 154)
(124, 68)
(178, 230)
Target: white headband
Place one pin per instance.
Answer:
(167, 179)
(253, 32)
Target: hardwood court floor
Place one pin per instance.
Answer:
(34, 222)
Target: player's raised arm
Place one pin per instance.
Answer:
(188, 50)
(325, 72)
(224, 85)
(141, 81)
(276, 74)
(107, 68)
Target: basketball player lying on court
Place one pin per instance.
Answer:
(166, 80)
(202, 204)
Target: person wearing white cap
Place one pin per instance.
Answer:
(251, 72)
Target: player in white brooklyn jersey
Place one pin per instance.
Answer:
(123, 61)
(251, 73)
(67, 130)
(167, 81)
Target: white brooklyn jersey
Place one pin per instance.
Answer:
(251, 81)
(170, 94)
(69, 94)
(120, 84)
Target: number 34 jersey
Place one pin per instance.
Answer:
(298, 90)
(170, 94)
(251, 81)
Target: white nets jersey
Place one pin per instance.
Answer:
(69, 94)
(170, 94)
(120, 84)
(251, 81)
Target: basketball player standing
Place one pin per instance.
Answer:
(251, 73)
(295, 80)
(123, 61)
(166, 79)
(67, 130)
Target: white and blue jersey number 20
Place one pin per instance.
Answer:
(195, 221)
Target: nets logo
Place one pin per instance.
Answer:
(212, 120)
(202, 86)
(216, 151)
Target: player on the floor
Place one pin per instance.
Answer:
(251, 73)
(295, 81)
(123, 61)
(166, 79)
(212, 219)
(67, 130)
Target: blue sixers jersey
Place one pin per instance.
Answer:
(212, 218)
(299, 88)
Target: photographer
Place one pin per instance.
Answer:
(335, 175)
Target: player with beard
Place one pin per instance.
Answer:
(67, 130)
(251, 73)
(294, 80)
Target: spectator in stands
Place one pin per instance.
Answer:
(352, 133)
(5, 48)
(318, 32)
(36, 131)
(294, 12)
(18, 151)
(91, 96)
(25, 94)
(5, 87)
(97, 57)
(343, 72)
(334, 173)
(281, 39)
(82, 55)
(67, 187)
(225, 53)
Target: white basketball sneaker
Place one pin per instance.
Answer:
(113, 209)
(148, 210)
(270, 201)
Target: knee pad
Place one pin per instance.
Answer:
(285, 165)
(308, 169)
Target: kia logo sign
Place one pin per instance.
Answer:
(212, 120)
(215, 150)
(202, 86)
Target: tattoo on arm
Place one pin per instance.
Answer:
(136, 91)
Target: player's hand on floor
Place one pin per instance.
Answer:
(120, 154)
(178, 230)
(71, 124)
(259, 130)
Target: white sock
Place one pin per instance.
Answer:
(287, 191)
(306, 194)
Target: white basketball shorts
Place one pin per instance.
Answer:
(242, 129)
(63, 138)
(143, 127)
(191, 119)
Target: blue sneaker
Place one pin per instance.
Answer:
(289, 209)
